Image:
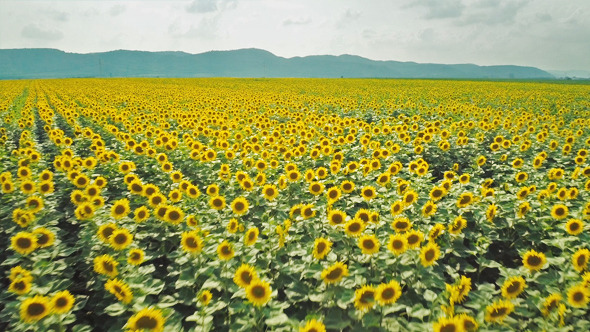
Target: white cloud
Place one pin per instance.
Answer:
(33, 31)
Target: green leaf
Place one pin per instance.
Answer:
(277, 319)
(115, 309)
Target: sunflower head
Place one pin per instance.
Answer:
(258, 292)
(225, 251)
(244, 275)
(513, 287)
(148, 319)
(364, 298)
(35, 308)
(334, 273)
(368, 244)
(429, 254)
(321, 248)
(533, 260)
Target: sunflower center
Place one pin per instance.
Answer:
(270, 192)
(412, 239)
(354, 227)
(246, 277)
(119, 209)
(429, 255)
(451, 327)
(36, 309)
(315, 188)
(333, 194)
(191, 243)
(436, 193)
(578, 297)
(226, 250)
(136, 187)
(239, 206)
(346, 186)
(514, 287)
(559, 211)
(465, 200)
(174, 215)
(146, 322)
(24, 243)
(42, 239)
(334, 274)
(401, 225)
(337, 219)
(19, 285)
(368, 193)
(108, 266)
(368, 244)
(581, 261)
(251, 236)
(387, 293)
(397, 244)
(534, 260)
(307, 212)
(321, 247)
(498, 312)
(574, 226)
(258, 291)
(120, 239)
(367, 297)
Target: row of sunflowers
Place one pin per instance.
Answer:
(294, 205)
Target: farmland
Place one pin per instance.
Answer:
(294, 205)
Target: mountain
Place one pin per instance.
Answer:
(570, 74)
(51, 63)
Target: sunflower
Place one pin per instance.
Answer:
(368, 193)
(574, 226)
(205, 297)
(232, 225)
(520, 177)
(251, 236)
(19, 272)
(120, 209)
(429, 254)
(533, 260)
(436, 193)
(147, 319)
(333, 194)
(313, 326)
(150, 189)
(480, 161)
(20, 285)
(157, 199)
(498, 311)
(321, 247)
(401, 224)
(120, 289)
(458, 224)
(135, 256)
(334, 273)
(244, 275)
(270, 192)
(35, 308)
(551, 302)
(27, 187)
(24, 243)
(293, 176)
(35, 204)
(523, 208)
(354, 227)
(307, 211)
(410, 197)
(397, 207)
(364, 298)
(337, 217)
(8, 187)
(107, 265)
(120, 239)
(414, 238)
(580, 259)
(191, 242)
(447, 324)
(46, 187)
(578, 296)
(100, 181)
(491, 212)
(258, 292)
(347, 186)
(85, 211)
(464, 199)
(512, 287)
(436, 231)
(217, 202)
(459, 292)
(174, 215)
(141, 214)
(368, 244)
(225, 250)
(469, 323)
(397, 244)
(45, 237)
(429, 209)
(559, 211)
(240, 206)
(105, 231)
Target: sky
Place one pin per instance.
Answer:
(548, 34)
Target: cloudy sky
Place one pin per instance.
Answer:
(548, 34)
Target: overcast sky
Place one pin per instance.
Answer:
(549, 34)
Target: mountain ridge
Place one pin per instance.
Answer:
(248, 62)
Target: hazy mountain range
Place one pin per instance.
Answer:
(52, 63)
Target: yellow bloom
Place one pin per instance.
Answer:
(120, 289)
(388, 293)
(258, 292)
(429, 254)
(368, 244)
(512, 287)
(35, 308)
(24, 243)
(313, 326)
(244, 275)
(334, 273)
(120, 239)
(364, 298)
(533, 260)
(321, 248)
(225, 250)
(148, 319)
(498, 311)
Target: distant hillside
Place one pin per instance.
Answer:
(51, 63)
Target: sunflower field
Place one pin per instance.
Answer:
(294, 205)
